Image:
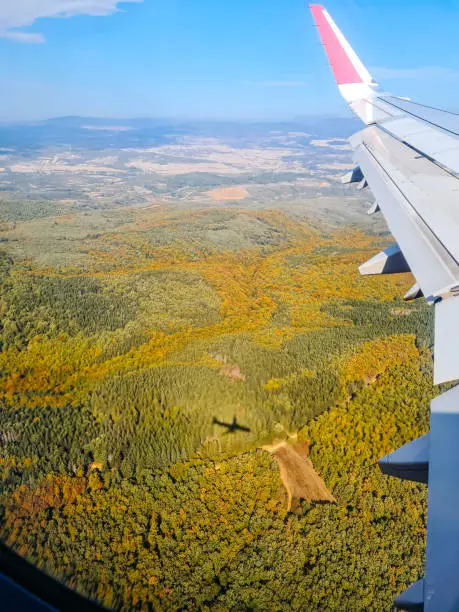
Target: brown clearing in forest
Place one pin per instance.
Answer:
(228, 193)
(232, 371)
(298, 475)
(65, 219)
(403, 312)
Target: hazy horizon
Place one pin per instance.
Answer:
(347, 116)
(217, 61)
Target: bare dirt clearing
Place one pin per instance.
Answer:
(228, 193)
(232, 371)
(298, 475)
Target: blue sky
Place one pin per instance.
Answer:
(214, 59)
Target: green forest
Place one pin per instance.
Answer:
(148, 365)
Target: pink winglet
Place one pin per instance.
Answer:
(343, 69)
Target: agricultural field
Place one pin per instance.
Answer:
(196, 385)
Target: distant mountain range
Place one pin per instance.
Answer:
(102, 133)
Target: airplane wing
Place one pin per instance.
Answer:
(408, 154)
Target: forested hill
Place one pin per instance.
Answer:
(156, 349)
(116, 477)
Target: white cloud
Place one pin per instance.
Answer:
(424, 73)
(23, 37)
(16, 14)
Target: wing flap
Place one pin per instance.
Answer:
(446, 366)
(442, 555)
(388, 166)
(432, 192)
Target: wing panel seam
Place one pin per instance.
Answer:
(441, 110)
(440, 127)
(421, 153)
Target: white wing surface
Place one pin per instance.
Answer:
(409, 156)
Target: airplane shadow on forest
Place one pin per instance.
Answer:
(231, 427)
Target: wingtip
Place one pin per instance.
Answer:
(316, 8)
(346, 66)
